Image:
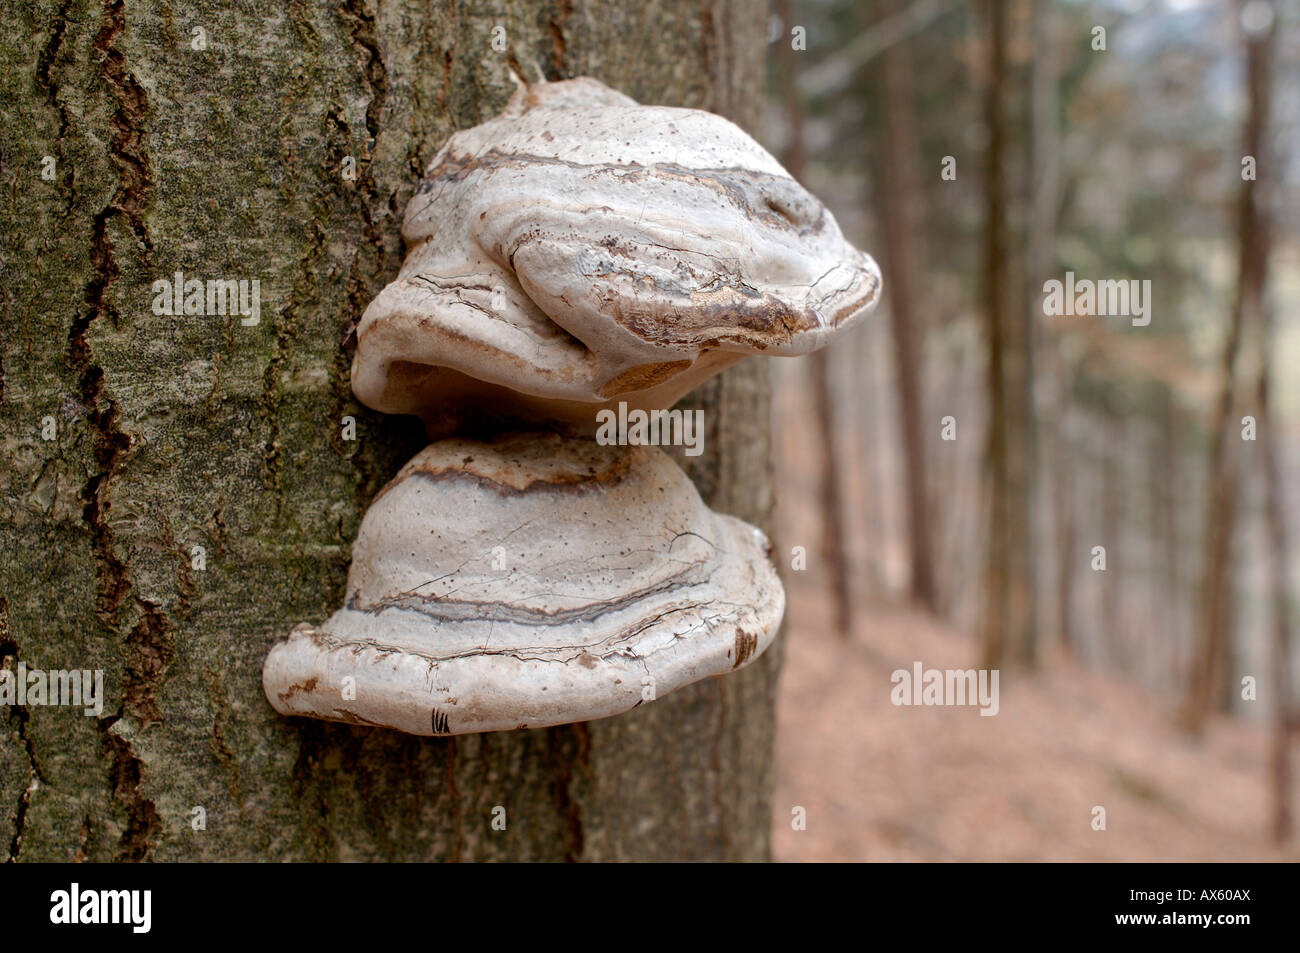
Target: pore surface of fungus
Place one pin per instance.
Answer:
(533, 580)
(581, 249)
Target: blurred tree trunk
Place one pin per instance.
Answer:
(1215, 619)
(174, 433)
(835, 552)
(997, 556)
(898, 161)
(1113, 488)
(1007, 623)
(1260, 58)
(873, 474)
(1040, 257)
(1166, 491)
(1279, 571)
(1063, 488)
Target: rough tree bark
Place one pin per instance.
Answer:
(172, 433)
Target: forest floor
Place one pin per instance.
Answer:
(886, 783)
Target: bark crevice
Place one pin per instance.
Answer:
(9, 649)
(157, 459)
(44, 64)
(559, 42)
(150, 640)
(20, 815)
(370, 264)
(567, 805)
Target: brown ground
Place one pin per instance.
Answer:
(881, 782)
(886, 783)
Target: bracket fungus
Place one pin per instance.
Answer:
(533, 580)
(577, 251)
(581, 249)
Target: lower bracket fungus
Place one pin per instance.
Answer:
(533, 580)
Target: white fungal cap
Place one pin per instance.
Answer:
(581, 249)
(534, 580)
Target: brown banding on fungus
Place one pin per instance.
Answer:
(581, 249)
(577, 252)
(536, 580)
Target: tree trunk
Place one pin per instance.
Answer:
(173, 433)
(902, 255)
(1067, 542)
(1269, 446)
(997, 609)
(1114, 439)
(1040, 260)
(1214, 642)
(1279, 580)
(835, 554)
(1166, 492)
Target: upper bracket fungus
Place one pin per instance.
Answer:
(577, 251)
(581, 249)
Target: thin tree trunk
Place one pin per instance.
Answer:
(1279, 563)
(897, 195)
(1068, 536)
(1269, 449)
(1214, 644)
(1113, 486)
(175, 433)
(1040, 258)
(1008, 627)
(834, 549)
(1167, 490)
(874, 473)
(997, 609)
